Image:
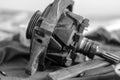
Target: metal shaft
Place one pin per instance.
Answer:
(90, 48)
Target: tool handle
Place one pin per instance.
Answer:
(73, 71)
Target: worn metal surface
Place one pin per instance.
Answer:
(42, 33)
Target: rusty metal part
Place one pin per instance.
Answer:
(58, 32)
(42, 32)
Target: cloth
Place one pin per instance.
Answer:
(14, 48)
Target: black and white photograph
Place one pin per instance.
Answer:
(59, 40)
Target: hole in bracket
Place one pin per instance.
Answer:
(39, 40)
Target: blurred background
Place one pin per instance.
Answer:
(95, 10)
